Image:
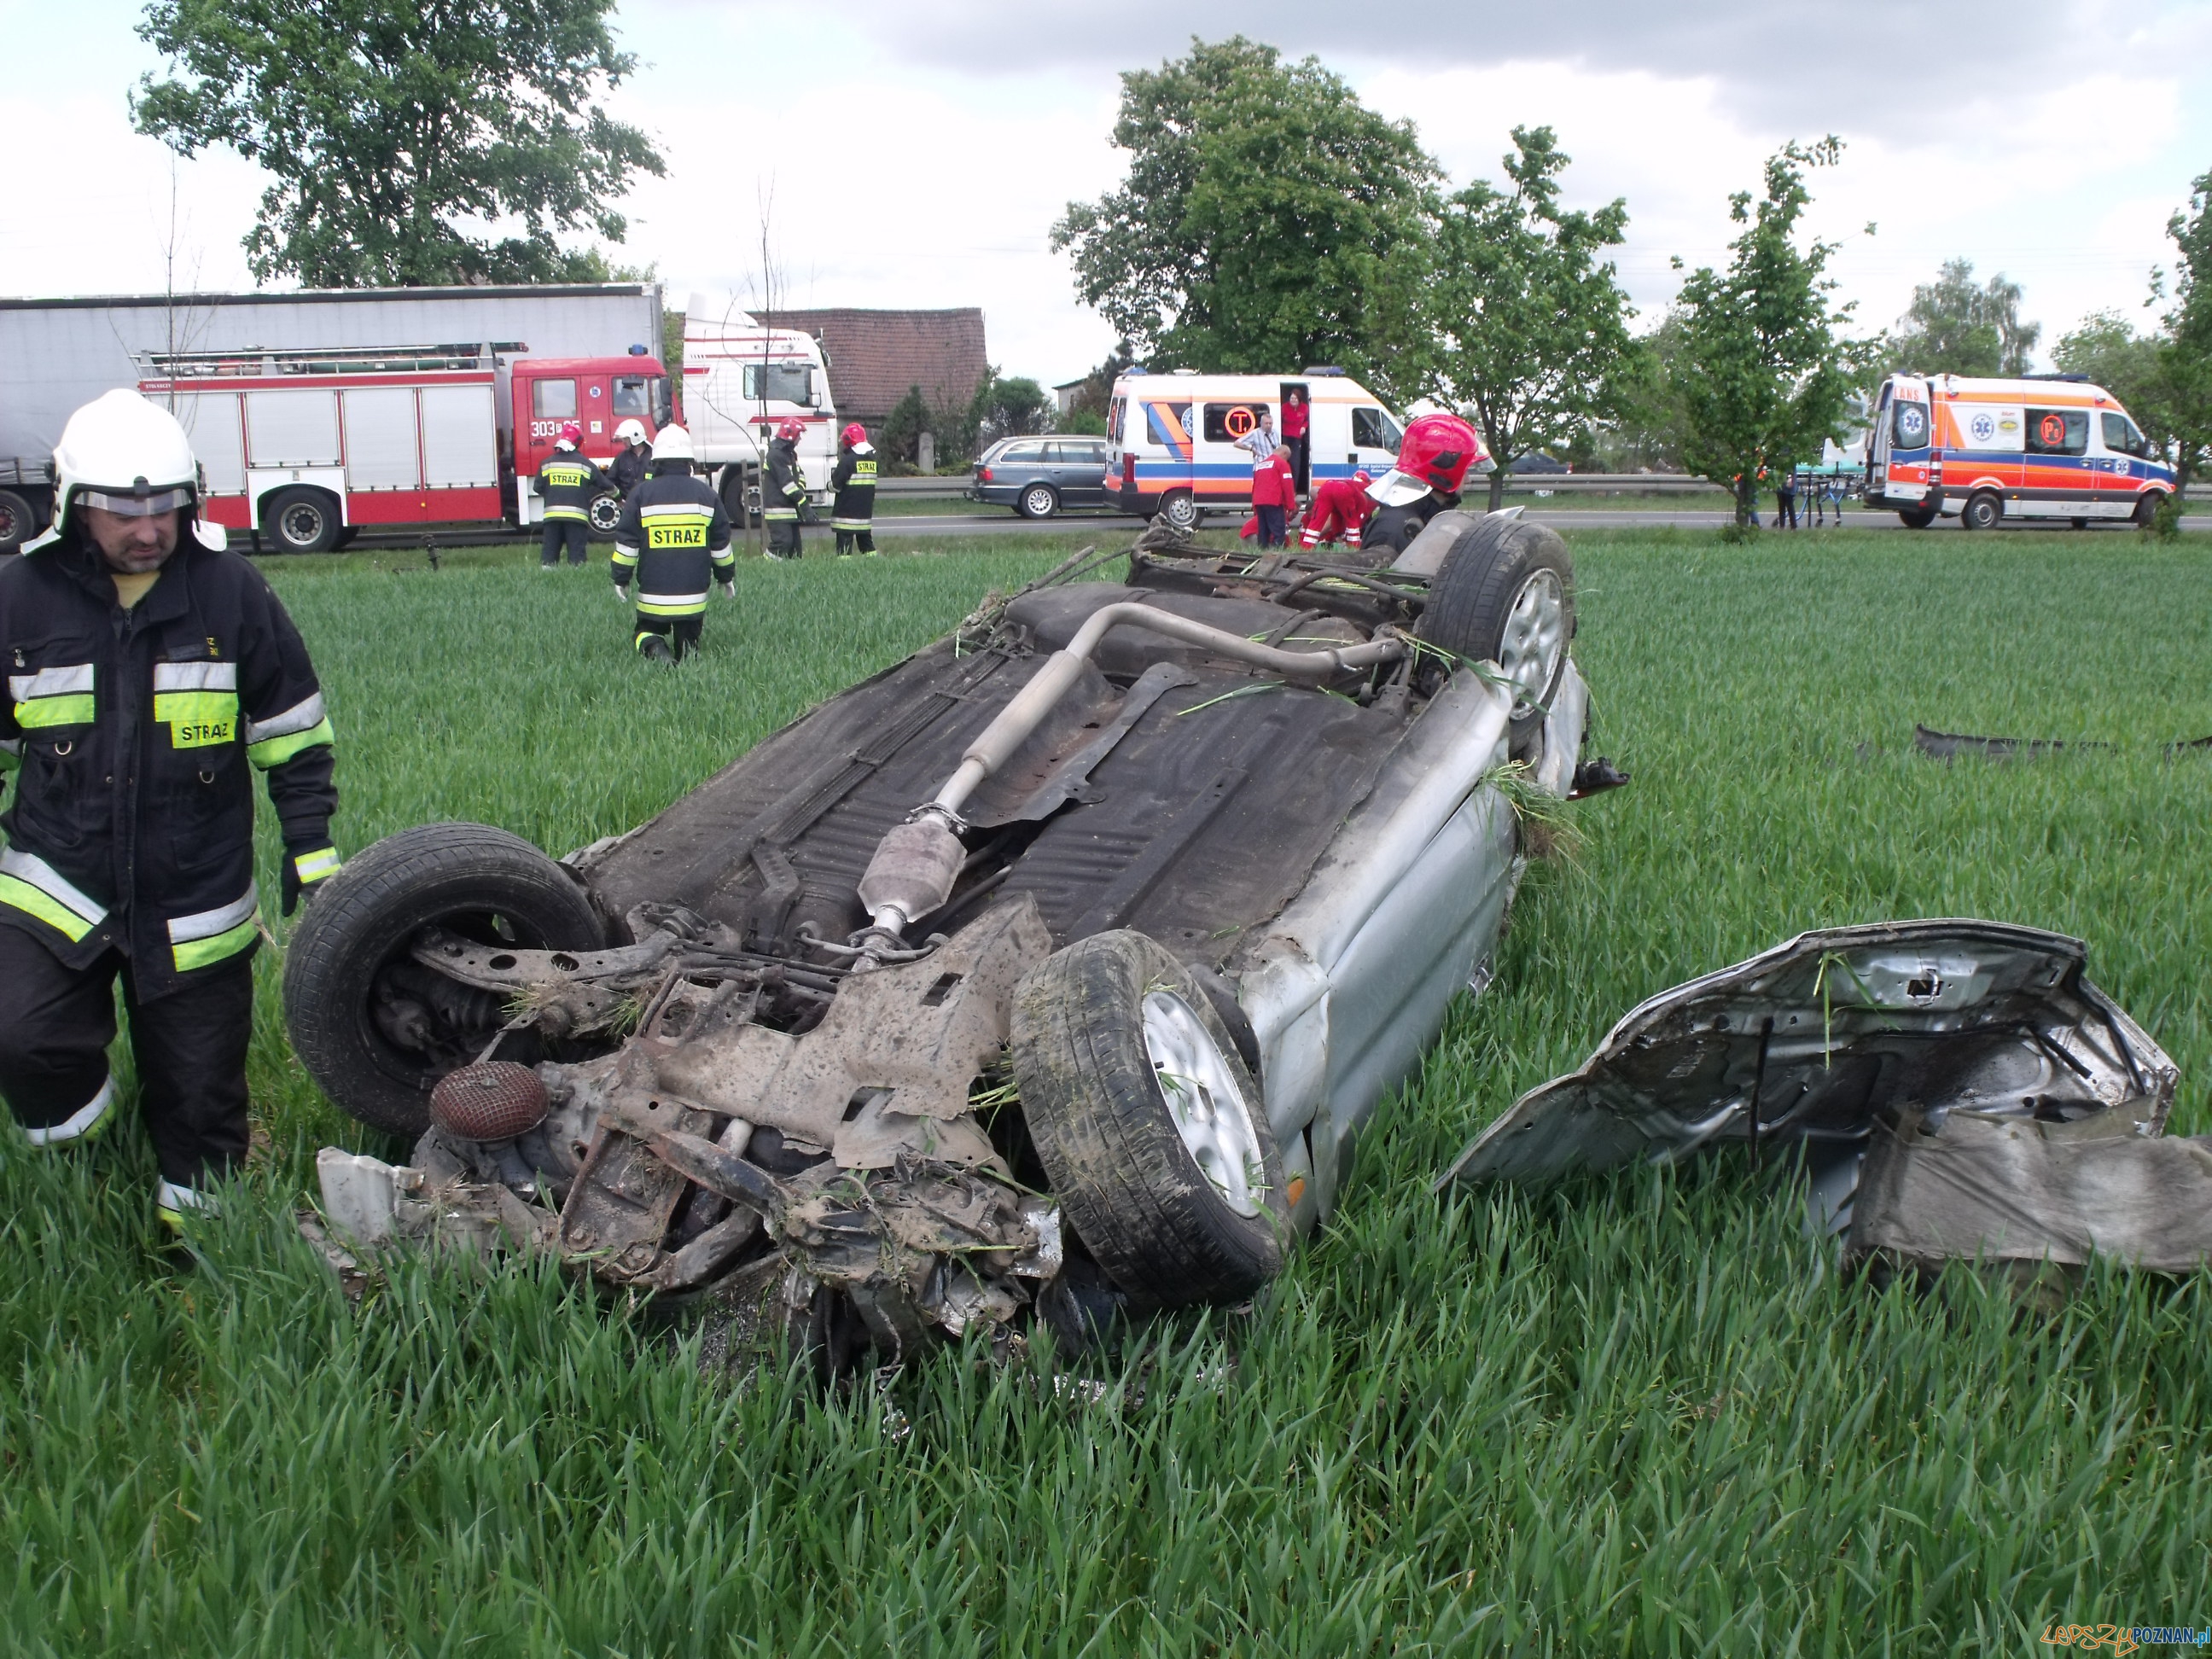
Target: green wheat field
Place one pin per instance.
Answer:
(1633, 1414)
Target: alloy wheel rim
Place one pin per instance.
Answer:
(1205, 1101)
(1535, 639)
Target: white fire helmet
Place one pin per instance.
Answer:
(631, 431)
(674, 444)
(128, 455)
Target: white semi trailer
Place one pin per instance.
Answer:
(58, 354)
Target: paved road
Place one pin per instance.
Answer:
(963, 524)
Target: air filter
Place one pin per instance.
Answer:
(493, 1100)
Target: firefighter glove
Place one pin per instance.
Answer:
(729, 590)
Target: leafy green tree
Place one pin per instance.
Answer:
(401, 133)
(2186, 356)
(1269, 220)
(1649, 428)
(1953, 326)
(1004, 408)
(1530, 328)
(2128, 365)
(1760, 372)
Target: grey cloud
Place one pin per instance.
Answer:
(1794, 66)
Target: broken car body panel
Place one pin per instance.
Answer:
(1946, 1046)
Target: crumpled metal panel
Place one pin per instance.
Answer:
(1821, 1037)
(2022, 1191)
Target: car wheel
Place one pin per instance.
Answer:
(1506, 593)
(2147, 506)
(1917, 517)
(300, 521)
(1981, 512)
(1148, 1123)
(18, 524)
(1037, 501)
(604, 515)
(374, 1028)
(1180, 510)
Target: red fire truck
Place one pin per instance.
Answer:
(302, 449)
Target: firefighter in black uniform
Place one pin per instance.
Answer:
(150, 674)
(569, 480)
(852, 515)
(674, 538)
(627, 469)
(1433, 459)
(785, 505)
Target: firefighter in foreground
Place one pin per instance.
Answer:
(1338, 512)
(1433, 459)
(569, 481)
(675, 538)
(852, 515)
(150, 674)
(784, 503)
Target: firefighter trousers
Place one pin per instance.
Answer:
(860, 538)
(571, 533)
(682, 633)
(56, 1023)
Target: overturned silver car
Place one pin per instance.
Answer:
(1053, 970)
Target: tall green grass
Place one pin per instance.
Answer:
(1630, 1414)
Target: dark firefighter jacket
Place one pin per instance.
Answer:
(627, 469)
(1394, 527)
(675, 537)
(853, 478)
(569, 481)
(132, 738)
(785, 495)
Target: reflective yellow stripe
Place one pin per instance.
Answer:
(624, 555)
(564, 513)
(41, 712)
(201, 953)
(683, 606)
(275, 751)
(313, 867)
(197, 719)
(781, 514)
(31, 902)
(851, 524)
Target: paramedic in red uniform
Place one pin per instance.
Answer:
(1297, 420)
(1338, 512)
(1273, 497)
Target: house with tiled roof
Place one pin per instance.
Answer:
(875, 356)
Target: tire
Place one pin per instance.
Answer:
(732, 486)
(2147, 506)
(300, 521)
(1981, 512)
(1917, 517)
(1506, 593)
(344, 538)
(1038, 501)
(18, 521)
(474, 879)
(1179, 509)
(1088, 1059)
(602, 517)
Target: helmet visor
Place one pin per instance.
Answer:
(137, 507)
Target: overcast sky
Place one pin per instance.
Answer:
(917, 156)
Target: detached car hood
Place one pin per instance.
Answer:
(1892, 1027)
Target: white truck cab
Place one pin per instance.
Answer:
(743, 380)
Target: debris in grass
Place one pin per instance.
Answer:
(1954, 1090)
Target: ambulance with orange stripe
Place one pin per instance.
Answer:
(2042, 447)
(1173, 437)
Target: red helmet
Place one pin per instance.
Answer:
(855, 434)
(1363, 476)
(791, 428)
(1438, 450)
(571, 432)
